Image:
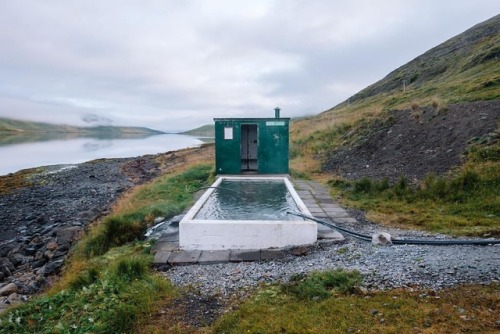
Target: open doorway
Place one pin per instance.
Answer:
(249, 147)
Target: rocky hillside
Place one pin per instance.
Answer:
(451, 100)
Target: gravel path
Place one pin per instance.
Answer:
(383, 267)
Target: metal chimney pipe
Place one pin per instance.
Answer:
(277, 112)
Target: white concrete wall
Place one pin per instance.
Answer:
(212, 234)
(245, 234)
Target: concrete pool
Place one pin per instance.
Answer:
(239, 212)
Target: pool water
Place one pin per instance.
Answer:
(242, 212)
(249, 200)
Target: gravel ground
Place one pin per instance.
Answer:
(383, 267)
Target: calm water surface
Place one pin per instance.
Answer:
(14, 157)
(249, 200)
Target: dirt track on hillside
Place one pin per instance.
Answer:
(417, 142)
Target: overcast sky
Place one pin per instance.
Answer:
(175, 65)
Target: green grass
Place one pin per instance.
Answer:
(107, 285)
(321, 285)
(280, 309)
(464, 203)
(165, 197)
(110, 296)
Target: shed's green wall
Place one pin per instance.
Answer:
(272, 145)
(227, 152)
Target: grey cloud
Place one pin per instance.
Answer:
(178, 64)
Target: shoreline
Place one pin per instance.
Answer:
(45, 210)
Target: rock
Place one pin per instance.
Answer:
(17, 259)
(68, 235)
(30, 251)
(38, 263)
(299, 251)
(48, 255)
(52, 267)
(6, 248)
(8, 289)
(5, 264)
(47, 229)
(52, 245)
(381, 238)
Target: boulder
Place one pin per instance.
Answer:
(5, 264)
(68, 235)
(52, 245)
(381, 238)
(52, 267)
(8, 289)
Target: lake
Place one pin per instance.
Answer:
(28, 152)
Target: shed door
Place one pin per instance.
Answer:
(249, 147)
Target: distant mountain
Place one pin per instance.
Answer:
(16, 131)
(207, 130)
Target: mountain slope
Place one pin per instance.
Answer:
(15, 126)
(15, 132)
(207, 130)
(469, 60)
(383, 130)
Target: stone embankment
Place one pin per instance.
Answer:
(41, 221)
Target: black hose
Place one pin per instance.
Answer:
(402, 241)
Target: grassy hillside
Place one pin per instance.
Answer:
(207, 130)
(388, 150)
(11, 126)
(463, 69)
(15, 132)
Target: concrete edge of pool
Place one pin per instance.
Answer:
(196, 234)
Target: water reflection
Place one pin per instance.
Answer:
(97, 146)
(249, 200)
(50, 149)
(22, 138)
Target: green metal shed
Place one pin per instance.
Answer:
(258, 145)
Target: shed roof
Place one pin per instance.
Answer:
(251, 119)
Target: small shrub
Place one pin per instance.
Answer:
(401, 189)
(297, 174)
(122, 229)
(383, 185)
(339, 184)
(433, 187)
(115, 231)
(129, 269)
(467, 181)
(365, 185)
(85, 279)
(95, 245)
(484, 154)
